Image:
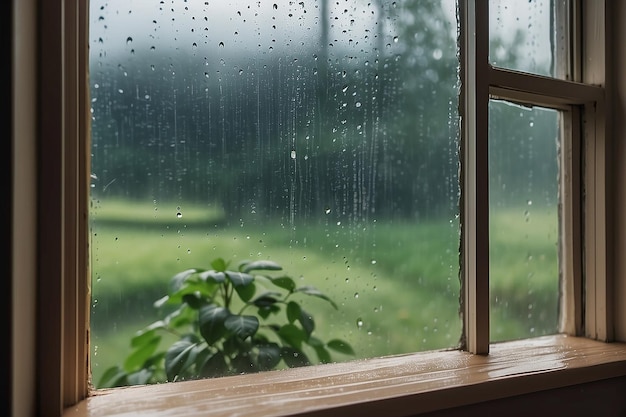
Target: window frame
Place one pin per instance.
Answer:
(63, 238)
(583, 243)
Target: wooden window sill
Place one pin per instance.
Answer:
(391, 386)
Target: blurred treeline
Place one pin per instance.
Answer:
(356, 113)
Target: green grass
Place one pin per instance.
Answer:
(152, 213)
(400, 279)
(524, 273)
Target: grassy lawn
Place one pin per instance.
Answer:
(399, 279)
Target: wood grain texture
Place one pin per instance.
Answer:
(392, 386)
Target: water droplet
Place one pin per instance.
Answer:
(359, 322)
(179, 214)
(221, 44)
(529, 202)
(275, 6)
(395, 39)
(356, 295)
(293, 154)
(358, 104)
(129, 40)
(373, 261)
(327, 210)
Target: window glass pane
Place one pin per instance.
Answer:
(524, 273)
(322, 136)
(529, 36)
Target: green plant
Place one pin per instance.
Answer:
(225, 322)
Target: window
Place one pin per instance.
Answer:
(583, 101)
(319, 135)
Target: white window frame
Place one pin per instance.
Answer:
(581, 99)
(407, 381)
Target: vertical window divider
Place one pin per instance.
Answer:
(570, 244)
(598, 288)
(475, 173)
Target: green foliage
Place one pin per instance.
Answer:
(225, 322)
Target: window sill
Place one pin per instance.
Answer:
(390, 386)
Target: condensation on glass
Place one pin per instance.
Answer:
(524, 228)
(319, 135)
(530, 36)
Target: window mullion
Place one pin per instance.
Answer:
(598, 285)
(570, 223)
(598, 298)
(475, 55)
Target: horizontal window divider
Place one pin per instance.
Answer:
(391, 386)
(539, 90)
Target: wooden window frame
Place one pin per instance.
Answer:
(403, 385)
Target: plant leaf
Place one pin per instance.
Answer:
(242, 326)
(112, 377)
(161, 301)
(268, 356)
(246, 292)
(214, 365)
(141, 377)
(144, 335)
(178, 358)
(306, 320)
(239, 278)
(139, 356)
(213, 276)
(294, 357)
(323, 355)
(265, 311)
(233, 344)
(180, 317)
(292, 335)
(211, 321)
(191, 286)
(243, 363)
(293, 311)
(179, 279)
(309, 290)
(320, 349)
(264, 301)
(219, 265)
(194, 301)
(284, 282)
(259, 266)
(341, 347)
